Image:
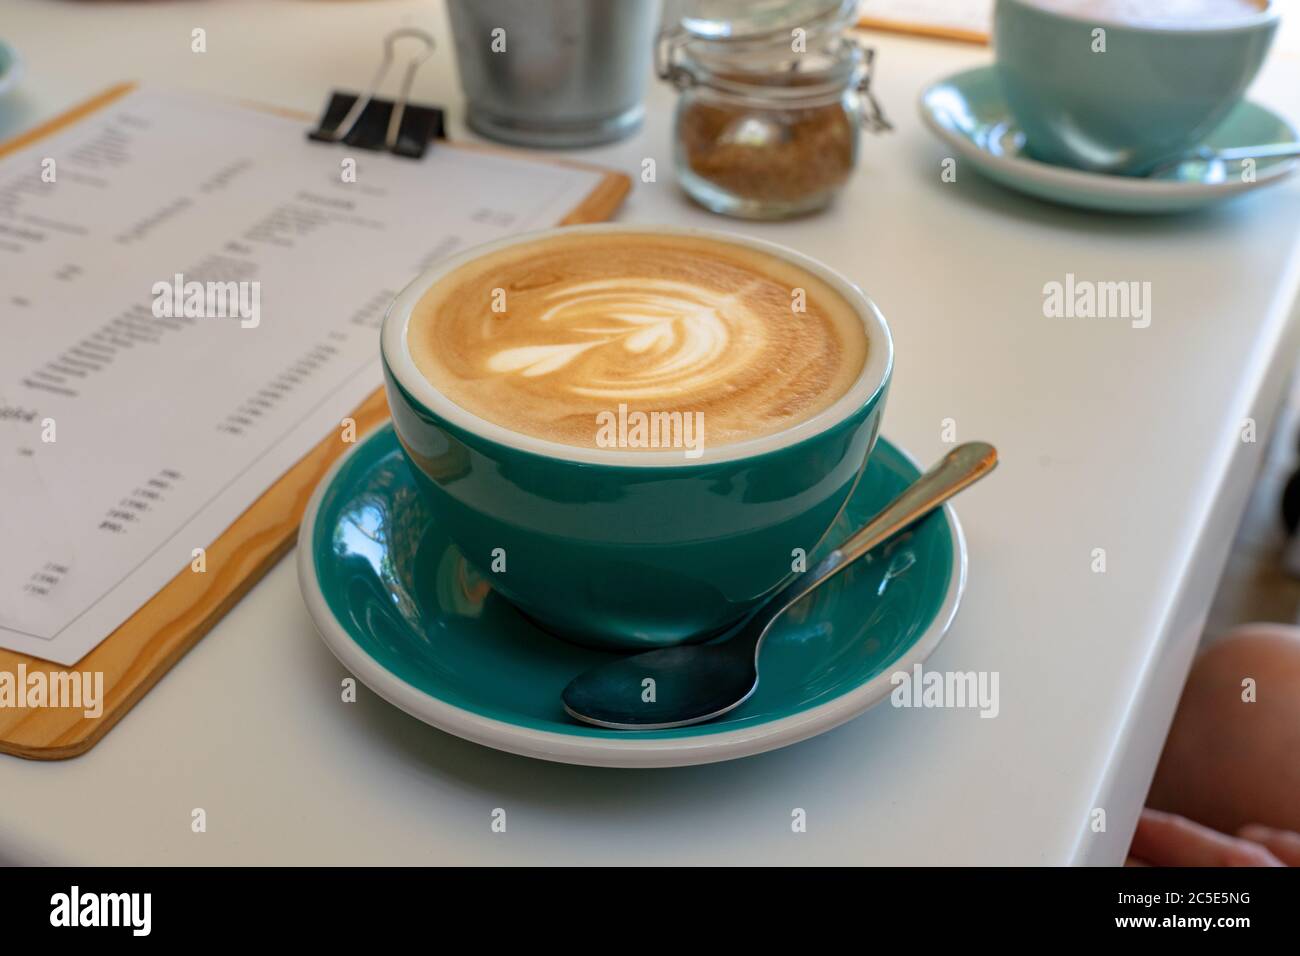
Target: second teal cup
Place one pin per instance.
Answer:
(625, 549)
(1121, 97)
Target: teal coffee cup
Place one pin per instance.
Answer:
(629, 549)
(1121, 93)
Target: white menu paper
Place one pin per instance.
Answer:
(128, 437)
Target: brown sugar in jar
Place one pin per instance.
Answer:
(785, 160)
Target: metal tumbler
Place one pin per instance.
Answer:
(554, 73)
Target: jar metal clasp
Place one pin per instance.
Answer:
(668, 47)
(870, 113)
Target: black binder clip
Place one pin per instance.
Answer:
(370, 123)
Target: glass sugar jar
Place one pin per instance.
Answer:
(773, 94)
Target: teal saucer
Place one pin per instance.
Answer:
(968, 113)
(400, 608)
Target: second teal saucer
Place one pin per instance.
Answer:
(968, 113)
(11, 68)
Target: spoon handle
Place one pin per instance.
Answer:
(1272, 151)
(959, 469)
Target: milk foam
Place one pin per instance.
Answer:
(1158, 12)
(585, 324)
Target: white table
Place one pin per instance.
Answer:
(1111, 437)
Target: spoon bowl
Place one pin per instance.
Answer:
(670, 687)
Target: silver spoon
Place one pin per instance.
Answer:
(1206, 165)
(699, 682)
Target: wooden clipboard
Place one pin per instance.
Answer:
(136, 655)
(890, 23)
(932, 30)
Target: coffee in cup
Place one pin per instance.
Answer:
(1120, 86)
(551, 338)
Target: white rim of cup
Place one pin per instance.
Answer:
(869, 383)
(1268, 13)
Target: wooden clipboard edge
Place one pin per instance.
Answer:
(930, 30)
(74, 115)
(135, 656)
(148, 643)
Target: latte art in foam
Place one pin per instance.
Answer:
(680, 337)
(552, 338)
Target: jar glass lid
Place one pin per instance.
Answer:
(747, 20)
(812, 79)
